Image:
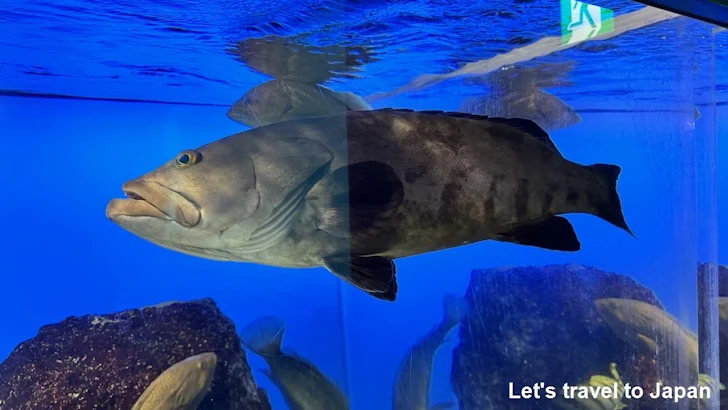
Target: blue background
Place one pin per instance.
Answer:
(65, 159)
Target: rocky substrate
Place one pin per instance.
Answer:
(539, 324)
(107, 361)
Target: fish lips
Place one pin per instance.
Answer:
(153, 200)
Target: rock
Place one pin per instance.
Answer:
(107, 361)
(539, 324)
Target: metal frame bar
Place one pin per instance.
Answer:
(710, 11)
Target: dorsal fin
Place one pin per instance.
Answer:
(529, 127)
(523, 124)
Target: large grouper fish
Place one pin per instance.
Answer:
(354, 191)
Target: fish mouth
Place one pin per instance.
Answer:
(153, 200)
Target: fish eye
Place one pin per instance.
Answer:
(188, 158)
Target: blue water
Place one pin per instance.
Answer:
(65, 159)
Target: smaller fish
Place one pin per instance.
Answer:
(412, 383)
(517, 92)
(302, 384)
(646, 327)
(282, 100)
(598, 403)
(652, 330)
(182, 386)
(287, 58)
(546, 110)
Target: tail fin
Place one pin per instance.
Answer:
(455, 309)
(264, 335)
(611, 209)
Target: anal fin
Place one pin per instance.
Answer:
(373, 274)
(555, 233)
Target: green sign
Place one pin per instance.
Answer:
(581, 21)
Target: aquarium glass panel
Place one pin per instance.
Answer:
(406, 205)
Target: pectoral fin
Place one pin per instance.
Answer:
(374, 275)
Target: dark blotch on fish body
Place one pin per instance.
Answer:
(413, 174)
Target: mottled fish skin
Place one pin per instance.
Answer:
(302, 384)
(181, 387)
(282, 100)
(414, 374)
(352, 192)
